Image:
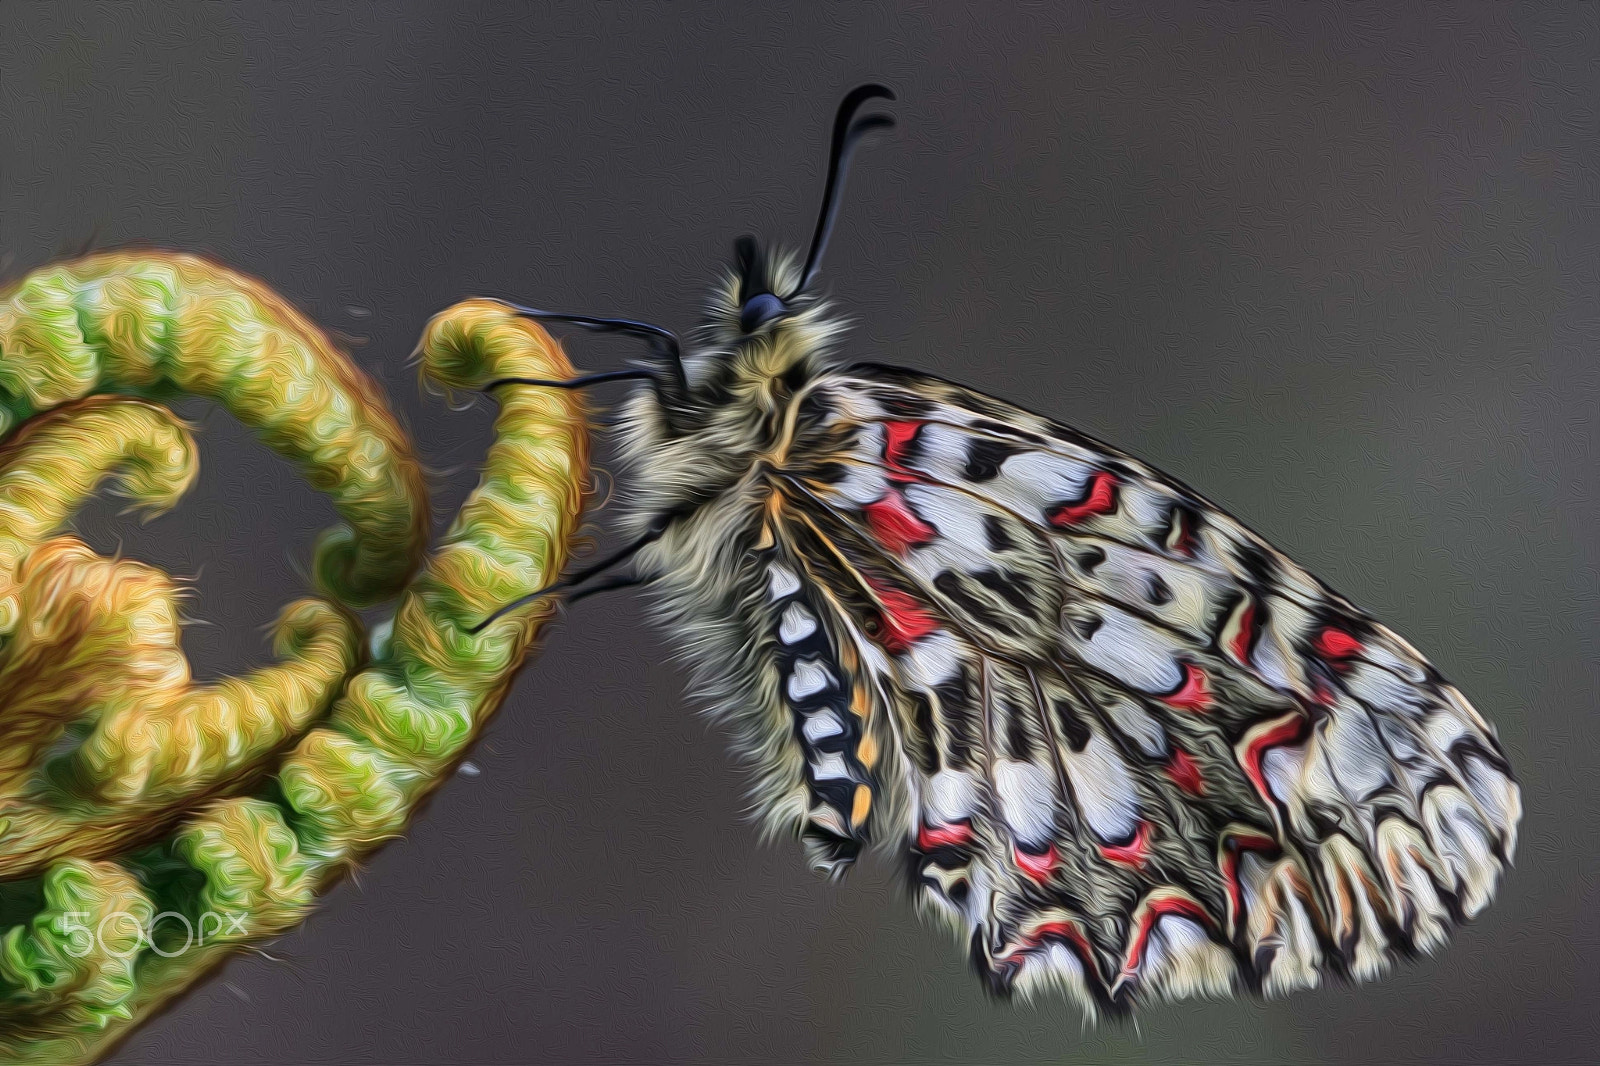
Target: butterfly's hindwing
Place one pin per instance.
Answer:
(1138, 751)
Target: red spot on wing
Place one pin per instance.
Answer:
(895, 525)
(897, 436)
(1185, 772)
(904, 620)
(1195, 692)
(1134, 853)
(1333, 643)
(951, 835)
(1100, 498)
(1157, 910)
(1068, 932)
(1184, 544)
(1239, 648)
(1038, 866)
(1285, 732)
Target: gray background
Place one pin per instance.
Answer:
(1335, 268)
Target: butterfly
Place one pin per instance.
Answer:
(1123, 746)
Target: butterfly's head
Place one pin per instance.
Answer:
(759, 297)
(768, 294)
(760, 293)
(764, 288)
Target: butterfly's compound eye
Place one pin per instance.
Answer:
(759, 310)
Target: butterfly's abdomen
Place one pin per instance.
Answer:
(749, 617)
(829, 714)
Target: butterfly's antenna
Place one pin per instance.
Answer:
(663, 343)
(847, 132)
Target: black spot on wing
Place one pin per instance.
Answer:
(1156, 590)
(1472, 745)
(1086, 624)
(985, 456)
(1260, 566)
(1006, 587)
(959, 710)
(1121, 470)
(1091, 558)
(949, 583)
(899, 405)
(994, 530)
(1019, 744)
(1073, 729)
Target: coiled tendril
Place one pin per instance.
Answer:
(149, 825)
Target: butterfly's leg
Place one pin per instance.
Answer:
(622, 581)
(576, 578)
(663, 342)
(581, 382)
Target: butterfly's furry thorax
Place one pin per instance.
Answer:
(741, 404)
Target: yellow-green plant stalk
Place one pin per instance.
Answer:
(149, 826)
(55, 462)
(157, 325)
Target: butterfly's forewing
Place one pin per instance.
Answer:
(1129, 747)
